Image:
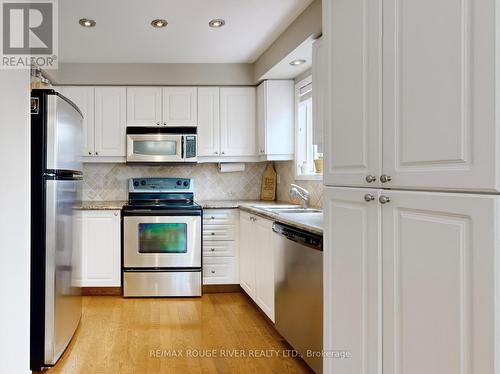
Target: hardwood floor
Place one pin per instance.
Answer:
(118, 335)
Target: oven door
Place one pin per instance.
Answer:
(154, 148)
(162, 241)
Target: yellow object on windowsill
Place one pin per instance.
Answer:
(318, 166)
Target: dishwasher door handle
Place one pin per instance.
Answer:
(299, 236)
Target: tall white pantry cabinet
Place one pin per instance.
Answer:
(412, 196)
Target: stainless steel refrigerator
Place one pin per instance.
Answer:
(56, 133)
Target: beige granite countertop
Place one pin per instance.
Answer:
(311, 223)
(228, 204)
(101, 205)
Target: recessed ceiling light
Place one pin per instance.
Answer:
(216, 23)
(85, 22)
(297, 62)
(159, 23)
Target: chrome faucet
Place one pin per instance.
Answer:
(302, 194)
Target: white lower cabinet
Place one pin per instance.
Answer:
(247, 254)
(414, 278)
(257, 261)
(101, 248)
(220, 246)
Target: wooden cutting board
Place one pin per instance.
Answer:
(268, 188)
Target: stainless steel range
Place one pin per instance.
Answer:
(161, 239)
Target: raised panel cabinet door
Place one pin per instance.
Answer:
(143, 106)
(320, 91)
(352, 280)
(101, 249)
(261, 118)
(279, 124)
(440, 294)
(440, 127)
(238, 121)
(208, 121)
(110, 121)
(264, 266)
(179, 106)
(247, 254)
(353, 34)
(83, 97)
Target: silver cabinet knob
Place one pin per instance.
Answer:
(369, 197)
(212, 233)
(370, 178)
(384, 178)
(212, 249)
(223, 152)
(212, 217)
(213, 271)
(90, 153)
(116, 214)
(216, 153)
(97, 153)
(384, 199)
(164, 124)
(157, 123)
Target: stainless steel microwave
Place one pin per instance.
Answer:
(161, 145)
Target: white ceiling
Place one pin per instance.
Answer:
(123, 32)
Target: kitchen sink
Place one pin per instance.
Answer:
(287, 209)
(294, 210)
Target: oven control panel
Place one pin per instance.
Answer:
(160, 185)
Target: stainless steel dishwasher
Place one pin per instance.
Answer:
(299, 291)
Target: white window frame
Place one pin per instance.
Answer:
(315, 177)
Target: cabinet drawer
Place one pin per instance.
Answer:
(220, 270)
(220, 216)
(218, 232)
(218, 249)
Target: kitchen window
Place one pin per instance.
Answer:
(307, 158)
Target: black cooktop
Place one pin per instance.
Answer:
(161, 205)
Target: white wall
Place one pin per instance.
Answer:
(14, 221)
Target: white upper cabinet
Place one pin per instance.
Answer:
(83, 97)
(275, 117)
(440, 127)
(352, 260)
(179, 106)
(110, 121)
(144, 106)
(353, 33)
(320, 92)
(238, 121)
(208, 121)
(437, 97)
(440, 283)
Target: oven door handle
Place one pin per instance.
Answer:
(153, 212)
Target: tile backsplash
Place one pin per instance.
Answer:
(109, 181)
